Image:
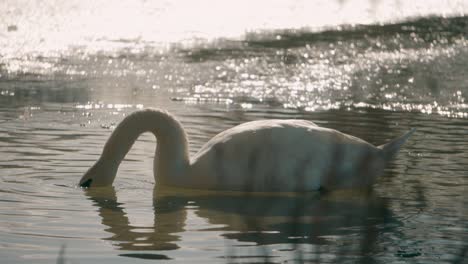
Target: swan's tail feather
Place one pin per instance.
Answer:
(391, 148)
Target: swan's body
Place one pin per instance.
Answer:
(266, 155)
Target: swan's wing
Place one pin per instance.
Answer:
(252, 134)
(267, 155)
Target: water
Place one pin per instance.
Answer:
(374, 69)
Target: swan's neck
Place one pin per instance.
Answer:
(171, 160)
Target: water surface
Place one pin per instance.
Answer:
(373, 72)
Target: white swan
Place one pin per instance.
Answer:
(266, 155)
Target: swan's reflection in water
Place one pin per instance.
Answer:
(261, 219)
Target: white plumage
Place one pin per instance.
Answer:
(265, 156)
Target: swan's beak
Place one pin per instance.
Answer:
(86, 184)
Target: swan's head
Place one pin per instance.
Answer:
(99, 175)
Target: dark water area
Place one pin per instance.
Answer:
(58, 105)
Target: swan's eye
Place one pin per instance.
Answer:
(87, 183)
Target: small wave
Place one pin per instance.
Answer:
(412, 33)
